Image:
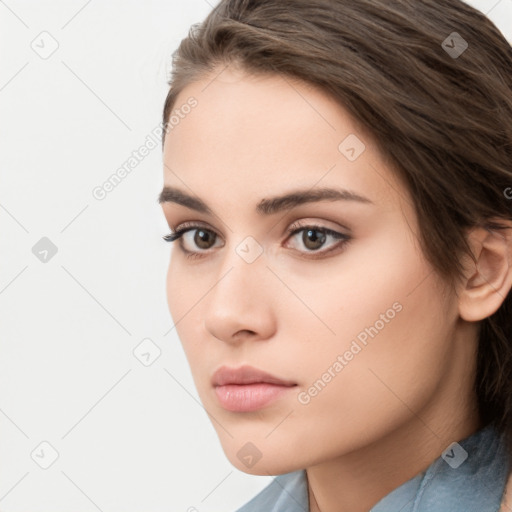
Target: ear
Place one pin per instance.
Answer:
(488, 282)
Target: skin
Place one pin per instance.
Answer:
(407, 394)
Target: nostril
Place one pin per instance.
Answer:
(243, 333)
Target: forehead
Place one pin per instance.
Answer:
(256, 134)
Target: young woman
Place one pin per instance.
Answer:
(338, 181)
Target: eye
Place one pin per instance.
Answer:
(193, 237)
(314, 237)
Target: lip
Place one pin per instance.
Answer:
(246, 388)
(246, 375)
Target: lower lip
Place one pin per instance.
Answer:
(249, 397)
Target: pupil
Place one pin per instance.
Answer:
(201, 238)
(317, 240)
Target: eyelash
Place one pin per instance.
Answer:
(293, 230)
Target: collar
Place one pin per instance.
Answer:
(469, 476)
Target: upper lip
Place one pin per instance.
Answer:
(246, 375)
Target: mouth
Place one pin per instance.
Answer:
(246, 388)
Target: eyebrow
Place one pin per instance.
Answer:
(268, 206)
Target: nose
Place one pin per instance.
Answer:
(240, 305)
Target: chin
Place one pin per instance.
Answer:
(270, 466)
(267, 461)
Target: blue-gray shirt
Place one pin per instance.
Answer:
(469, 476)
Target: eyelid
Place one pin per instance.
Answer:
(302, 223)
(342, 238)
(319, 224)
(192, 224)
(184, 227)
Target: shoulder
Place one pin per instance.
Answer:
(286, 493)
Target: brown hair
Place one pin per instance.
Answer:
(443, 120)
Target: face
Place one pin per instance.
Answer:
(331, 296)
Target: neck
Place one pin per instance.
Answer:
(356, 481)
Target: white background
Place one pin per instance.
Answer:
(129, 437)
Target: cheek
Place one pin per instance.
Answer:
(387, 319)
(184, 291)
(339, 298)
(176, 289)
(182, 295)
(187, 299)
(346, 405)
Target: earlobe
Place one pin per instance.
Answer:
(489, 280)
